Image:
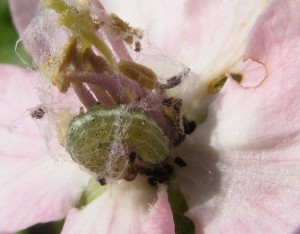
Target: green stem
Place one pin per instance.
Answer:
(183, 225)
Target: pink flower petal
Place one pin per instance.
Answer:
(34, 188)
(160, 219)
(254, 136)
(121, 209)
(22, 12)
(184, 29)
(207, 36)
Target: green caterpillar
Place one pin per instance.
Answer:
(94, 139)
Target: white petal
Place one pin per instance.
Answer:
(121, 209)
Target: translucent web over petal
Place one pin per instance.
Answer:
(34, 188)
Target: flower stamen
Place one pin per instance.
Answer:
(217, 84)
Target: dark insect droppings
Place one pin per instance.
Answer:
(148, 172)
(132, 157)
(167, 102)
(168, 169)
(152, 181)
(102, 181)
(174, 81)
(38, 113)
(157, 173)
(180, 162)
(189, 126)
(137, 46)
(162, 179)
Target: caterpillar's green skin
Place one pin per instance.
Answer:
(92, 135)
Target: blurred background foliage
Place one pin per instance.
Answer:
(8, 39)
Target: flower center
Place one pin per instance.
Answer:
(131, 125)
